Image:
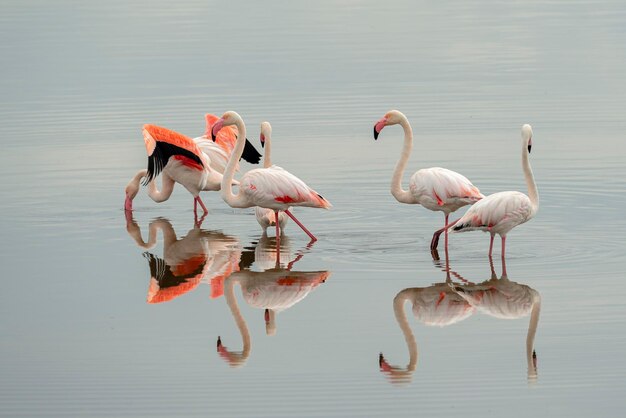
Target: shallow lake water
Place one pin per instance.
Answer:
(100, 318)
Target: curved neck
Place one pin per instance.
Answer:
(398, 310)
(401, 195)
(530, 179)
(530, 338)
(167, 186)
(231, 300)
(235, 201)
(134, 231)
(267, 157)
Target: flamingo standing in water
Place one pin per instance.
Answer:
(272, 188)
(196, 163)
(267, 217)
(500, 212)
(435, 188)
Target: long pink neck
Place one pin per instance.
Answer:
(400, 194)
(267, 157)
(235, 201)
(398, 309)
(533, 195)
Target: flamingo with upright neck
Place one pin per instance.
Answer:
(272, 188)
(435, 188)
(196, 163)
(500, 212)
(267, 217)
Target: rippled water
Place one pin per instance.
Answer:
(99, 320)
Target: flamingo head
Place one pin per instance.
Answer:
(131, 191)
(266, 132)
(270, 322)
(527, 136)
(393, 117)
(227, 119)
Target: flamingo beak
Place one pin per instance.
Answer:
(379, 127)
(216, 128)
(262, 141)
(128, 203)
(530, 145)
(267, 316)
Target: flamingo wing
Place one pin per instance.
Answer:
(498, 209)
(277, 188)
(218, 156)
(167, 284)
(443, 186)
(162, 143)
(227, 137)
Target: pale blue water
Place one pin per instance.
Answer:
(78, 80)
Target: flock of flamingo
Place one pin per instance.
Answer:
(209, 163)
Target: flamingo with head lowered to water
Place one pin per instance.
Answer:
(196, 163)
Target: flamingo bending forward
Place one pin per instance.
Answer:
(196, 163)
(272, 188)
(500, 212)
(435, 188)
(267, 217)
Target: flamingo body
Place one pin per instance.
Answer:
(440, 189)
(497, 213)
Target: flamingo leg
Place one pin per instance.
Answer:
(446, 235)
(198, 200)
(277, 239)
(491, 244)
(503, 245)
(300, 225)
(435, 241)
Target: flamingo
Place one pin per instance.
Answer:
(500, 212)
(272, 188)
(196, 163)
(435, 188)
(267, 217)
(200, 256)
(273, 290)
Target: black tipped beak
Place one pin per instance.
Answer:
(262, 144)
(213, 135)
(375, 133)
(529, 147)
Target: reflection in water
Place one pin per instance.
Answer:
(274, 290)
(200, 256)
(444, 304)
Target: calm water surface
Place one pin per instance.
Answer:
(153, 315)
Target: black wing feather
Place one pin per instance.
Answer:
(161, 155)
(250, 154)
(163, 273)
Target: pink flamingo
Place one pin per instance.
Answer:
(500, 212)
(267, 217)
(435, 188)
(196, 163)
(272, 188)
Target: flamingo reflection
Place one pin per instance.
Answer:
(273, 290)
(444, 304)
(200, 256)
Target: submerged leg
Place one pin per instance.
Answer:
(299, 224)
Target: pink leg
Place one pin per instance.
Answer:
(195, 206)
(277, 239)
(435, 241)
(491, 245)
(198, 200)
(300, 225)
(504, 267)
(503, 245)
(446, 236)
